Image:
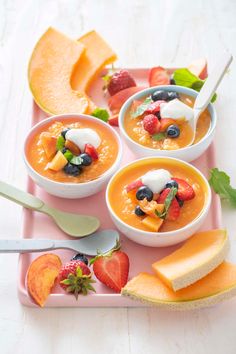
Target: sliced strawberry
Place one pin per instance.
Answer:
(154, 107)
(120, 81)
(91, 151)
(113, 120)
(165, 123)
(174, 209)
(116, 102)
(151, 124)
(185, 191)
(134, 185)
(158, 76)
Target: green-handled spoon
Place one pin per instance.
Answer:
(72, 224)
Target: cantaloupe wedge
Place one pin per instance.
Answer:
(41, 277)
(51, 65)
(215, 287)
(153, 224)
(58, 162)
(200, 254)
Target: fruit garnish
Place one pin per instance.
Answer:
(151, 207)
(173, 131)
(172, 209)
(158, 76)
(119, 81)
(144, 192)
(134, 185)
(112, 268)
(80, 257)
(72, 147)
(68, 154)
(116, 102)
(185, 191)
(159, 136)
(72, 170)
(152, 224)
(76, 160)
(165, 123)
(91, 151)
(86, 159)
(161, 95)
(154, 107)
(58, 162)
(113, 120)
(64, 131)
(49, 144)
(142, 107)
(220, 182)
(75, 277)
(138, 211)
(101, 113)
(60, 143)
(151, 124)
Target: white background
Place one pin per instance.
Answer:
(143, 33)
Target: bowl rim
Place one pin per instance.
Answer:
(69, 116)
(175, 88)
(166, 233)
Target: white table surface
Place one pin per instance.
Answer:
(143, 33)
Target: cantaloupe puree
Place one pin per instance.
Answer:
(123, 204)
(136, 132)
(107, 151)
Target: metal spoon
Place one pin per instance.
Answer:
(72, 224)
(102, 241)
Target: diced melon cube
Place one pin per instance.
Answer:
(58, 163)
(153, 224)
(150, 207)
(49, 143)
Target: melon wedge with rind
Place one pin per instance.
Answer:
(217, 286)
(200, 255)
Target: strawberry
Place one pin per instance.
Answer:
(112, 269)
(174, 209)
(113, 120)
(75, 277)
(158, 76)
(116, 102)
(120, 81)
(151, 124)
(134, 185)
(165, 123)
(185, 191)
(154, 107)
(91, 151)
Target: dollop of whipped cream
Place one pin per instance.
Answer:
(156, 179)
(176, 109)
(83, 136)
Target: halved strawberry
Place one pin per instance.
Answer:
(154, 107)
(113, 120)
(158, 76)
(174, 209)
(116, 102)
(185, 191)
(91, 151)
(120, 81)
(134, 185)
(165, 123)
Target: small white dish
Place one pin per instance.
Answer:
(160, 239)
(188, 153)
(72, 190)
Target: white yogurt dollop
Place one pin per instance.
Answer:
(176, 109)
(156, 179)
(81, 137)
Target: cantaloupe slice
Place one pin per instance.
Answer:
(153, 224)
(49, 73)
(49, 144)
(200, 254)
(215, 287)
(58, 162)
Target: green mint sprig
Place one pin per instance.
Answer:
(171, 195)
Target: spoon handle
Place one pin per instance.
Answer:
(16, 195)
(212, 82)
(25, 246)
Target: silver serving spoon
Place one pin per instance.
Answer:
(72, 224)
(102, 241)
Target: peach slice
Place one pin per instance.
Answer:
(72, 147)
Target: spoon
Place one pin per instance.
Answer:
(102, 241)
(208, 90)
(72, 224)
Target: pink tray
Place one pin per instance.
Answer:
(36, 225)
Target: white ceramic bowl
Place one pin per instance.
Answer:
(72, 190)
(160, 239)
(189, 153)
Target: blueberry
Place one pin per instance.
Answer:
(171, 184)
(173, 131)
(138, 211)
(172, 95)
(72, 170)
(80, 257)
(160, 95)
(64, 150)
(86, 159)
(172, 81)
(181, 202)
(144, 192)
(63, 133)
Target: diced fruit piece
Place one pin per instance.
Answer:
(120, 81)
(200, 255)
(138, 211)
(58, 162)
(154, 107)
(217, 286)
(158, 76)
(86, 159)
(75, 277)
(80, 257)
(134, 185)
(72, 147)
(144, 192)
(199, 68)
(49, 144)
(164, 95)
(174, 209)
(116, 102)
(185, 191)
(41, 277)
(172, 95)
(72, 170)
(150, 207)
(171, 184)
(173, 131)
(91, 151)
(113, 120)
(112, 269)
(165, 123)
(153, 224)
(151, 124)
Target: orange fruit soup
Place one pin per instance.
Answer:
(123, 204)
(134, 128)
(107, 150)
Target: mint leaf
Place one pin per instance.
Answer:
(60, 143)
(159, 136)
(68, 155)
(101, 113)
(220, 182)
(171, 195)
(76, 160)
(142, 107)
